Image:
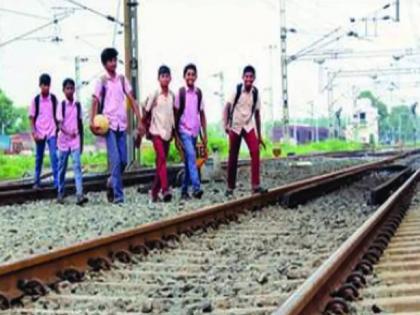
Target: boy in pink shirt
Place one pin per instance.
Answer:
(109, 99)
(70, 141)
(42, 116)
(190, 122)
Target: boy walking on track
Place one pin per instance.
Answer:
(239, 123)
(160, 112)
(42, 116)
(109, 99)
(190, 121)
(70, 141)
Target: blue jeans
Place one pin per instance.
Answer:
(39, 159)
(63, 157)
(117, 154)
(191, 171)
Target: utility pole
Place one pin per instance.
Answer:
(78, 60)
(270, 49)
(131, 70)
(330, 105)
(284, 88)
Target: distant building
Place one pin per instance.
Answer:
(364, 125)
(300, 134)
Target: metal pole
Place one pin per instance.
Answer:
(397, 9)
(77, 76)
(271, 48)
(131, 68)
(283, 52)
(330, 105)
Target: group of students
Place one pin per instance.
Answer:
(165, 116)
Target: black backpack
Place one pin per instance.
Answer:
(182, 101)
(79, 121)
(237, 96)
(54, 104)
(103, 92)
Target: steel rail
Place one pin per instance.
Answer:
(338, 279)
(31, 275)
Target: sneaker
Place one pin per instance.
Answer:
(198, 194)
(60, 200)
(259, 190)
(36, 187)
(185, 196)
(229, 193)
(109, 194)
(81, 200)
(118, 202)
(167, 197)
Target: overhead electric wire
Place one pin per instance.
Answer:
(22, 36)
(117, 15)
(31, 15)
(106, 16)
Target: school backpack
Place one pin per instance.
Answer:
(237, 96)
(182, 100)
(54, 104)
(103, 92)
(147, 115)
(79, 121)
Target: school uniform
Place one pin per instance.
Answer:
(45, 128)
(115, 110)
(69, 143)
(161, 128)
(189, 129)
(243, 126)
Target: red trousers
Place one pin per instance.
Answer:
(161, 178)
(254, 151)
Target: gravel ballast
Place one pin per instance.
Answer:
(38, 227)
(248, 267)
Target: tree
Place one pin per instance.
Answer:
(7, 113)
(12, 119)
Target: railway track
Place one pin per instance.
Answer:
(20, 191)
(32, 276)
(340, 280)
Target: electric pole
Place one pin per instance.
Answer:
(77, 74)
(330, 105)
(283, 52)
(131, 69)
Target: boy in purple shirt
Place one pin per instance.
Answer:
(190, 121)
(70, 141)
(42, 116)
(109, 99)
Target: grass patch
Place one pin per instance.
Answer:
(17, 166)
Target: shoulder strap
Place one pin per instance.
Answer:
(199, 99)
(80, 125)
(254, 102)
(233, 106)
(63, 109)
(54, 102)
(254, 99)
(36, 100)
(103, 94)
(182, 100)
(122, 80)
